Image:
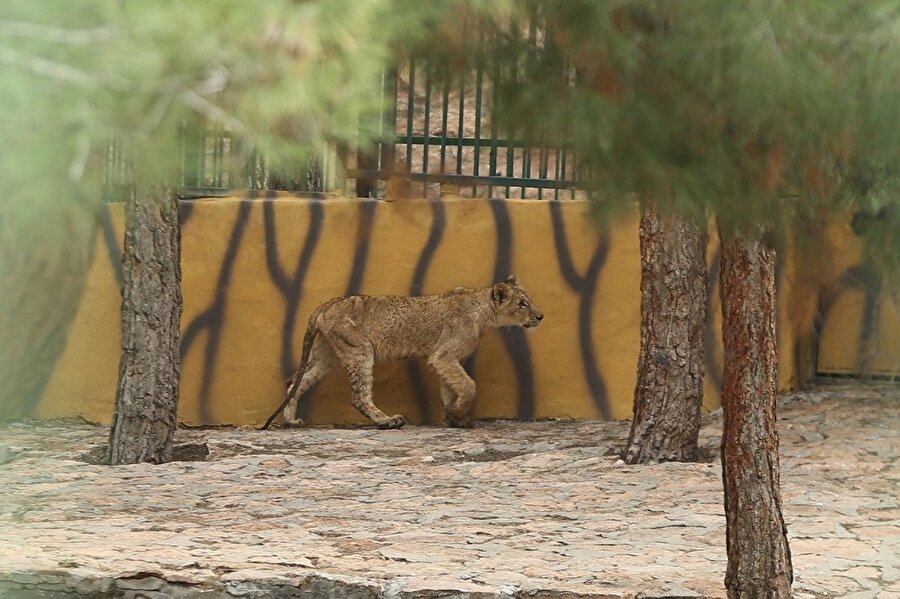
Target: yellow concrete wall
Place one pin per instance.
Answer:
(859, 316)
(254, 268)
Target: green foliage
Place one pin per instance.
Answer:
(769, 113)
(760, 111)
(282, 76)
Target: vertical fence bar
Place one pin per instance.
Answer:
(532, 44)
(107, 168)
(426, 133)
(526, 163)
(117, 175)
(510, 157)
(201, 157)
(410, 97)
(388, 151)
(251, 168)
(122, 176)
(326, 174)
(220, 155)
(183, 139)
(379, 144)
(234, 175)
(214, 158)
(445, 100)
(231, 173)
(574, 172)
(492, 163)
(479, 79)
(556, 174)
(120, 173)
(107, 160)
(513, 82)
(461, 123)
(182, 134)
(194, 163)
(543, 160)
(215, 176)
(226, 158)
(563, 167)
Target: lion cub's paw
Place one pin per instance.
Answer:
(396, 421)
(293, 423)
(458, 421)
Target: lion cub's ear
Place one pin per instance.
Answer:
(501, 293)
(512, 280)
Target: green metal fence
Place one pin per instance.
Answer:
(448, 132)
(442, 133)
(214, 164)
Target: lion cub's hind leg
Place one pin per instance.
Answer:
(321, 361)
(359, 362)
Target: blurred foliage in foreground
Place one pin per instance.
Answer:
(282, 76)
(764, 112)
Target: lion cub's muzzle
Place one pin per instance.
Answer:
(535, 320)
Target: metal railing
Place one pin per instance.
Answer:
(440, 133)
(213, 164)
(448, 131)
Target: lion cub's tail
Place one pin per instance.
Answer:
(312, 329)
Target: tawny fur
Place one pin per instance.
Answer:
(361, 331)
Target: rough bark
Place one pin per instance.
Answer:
(759, 559)
(669, 390)
(149, 369)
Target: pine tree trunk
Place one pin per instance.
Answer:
(669, 390)
(759, 559)
(149, 370)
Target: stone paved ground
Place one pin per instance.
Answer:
(505, 509)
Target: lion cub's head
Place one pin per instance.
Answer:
(513, 306)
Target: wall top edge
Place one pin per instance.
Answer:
(289, 197)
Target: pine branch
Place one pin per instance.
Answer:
(214, 113)
(58, 35)
(46, 68)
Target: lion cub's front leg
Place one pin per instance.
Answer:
(457, 391)
(452, 417)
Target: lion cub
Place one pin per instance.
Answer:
(362, 330)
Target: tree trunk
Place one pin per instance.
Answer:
(669, 390)
(149, 370)
(759, 559)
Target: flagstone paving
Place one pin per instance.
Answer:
(507, 509)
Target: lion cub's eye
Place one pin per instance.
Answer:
(522, 304)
